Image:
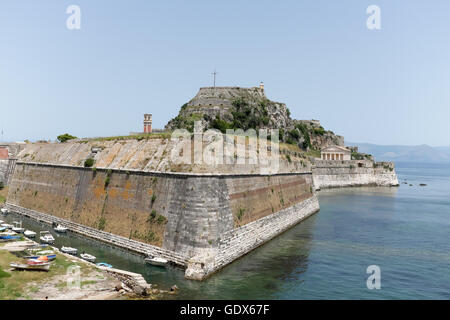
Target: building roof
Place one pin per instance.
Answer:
(335, 149)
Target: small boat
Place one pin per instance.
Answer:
(1, 221)
(8, 233)
(45, 253)
(46, 236)
(39, 267)
(7, 226)
(38, 247)
(60, 228)
(29, 234)
(4, 210)
(156, 261)
(2, 229)
(44, 258)
(104, 264)
(49, 257)
(88, 257)
(36, 262)
(69, 250)
(18, 227)
(9, 238)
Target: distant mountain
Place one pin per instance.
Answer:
(421, 153)
(444, 150)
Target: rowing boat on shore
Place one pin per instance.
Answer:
(48, 257)
(33, 267)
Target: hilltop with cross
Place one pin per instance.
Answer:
(249, 108)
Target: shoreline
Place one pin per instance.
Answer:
(96, 283)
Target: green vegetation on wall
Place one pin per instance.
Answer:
(89, 163)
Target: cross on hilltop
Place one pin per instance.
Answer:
(215, 73)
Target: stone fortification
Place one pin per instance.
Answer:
(196, 215)
(151, 155)
(333, 174)
(244, 108)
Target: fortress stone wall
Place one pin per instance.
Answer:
(6, 170)
(333, 174)
(200, 216)
(209, 216)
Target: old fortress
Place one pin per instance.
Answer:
(198, 217)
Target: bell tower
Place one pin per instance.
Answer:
(147, 123)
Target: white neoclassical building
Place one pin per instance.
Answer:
(335, 153)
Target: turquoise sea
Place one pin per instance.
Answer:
(405, 231)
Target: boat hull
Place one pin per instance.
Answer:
(158, 263)
(69, 251)
(37, 267)
(89, 258)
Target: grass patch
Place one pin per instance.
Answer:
(3, 194)
(87, 282)
(15, 284)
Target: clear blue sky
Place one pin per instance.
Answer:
(390, 86)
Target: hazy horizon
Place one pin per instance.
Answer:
(385, 87)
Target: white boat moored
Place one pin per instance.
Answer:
(46, 237)
(4, 210)
(156, 261)
(29, 234)
(7, 226)
(88, 257)
(60, 228)
(69, 250)
(18, 227)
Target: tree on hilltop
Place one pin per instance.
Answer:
(65, 137)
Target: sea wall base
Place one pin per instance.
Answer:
(238, 242)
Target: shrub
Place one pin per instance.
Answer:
(240, 214)
(102, 223)
(65, 137)
(320, 131)
(294, 134)
(357, 156)
(304, 130)
(88, 162)
(107, 181)
(281, 134)
(161, 219)
(221, 125)
(151, 236)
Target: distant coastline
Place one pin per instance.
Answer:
(402, 153)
